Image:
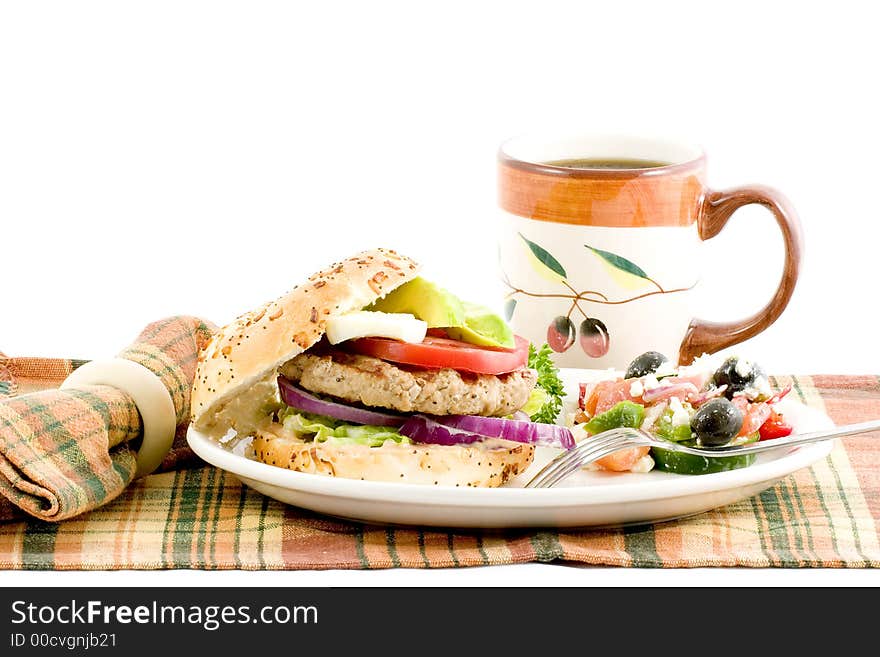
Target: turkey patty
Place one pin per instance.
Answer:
(375, 382)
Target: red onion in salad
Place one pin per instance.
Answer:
(699, 398)
(680, 390)
(699, 380)
(584, 391)
(303, 401)
(779, 396)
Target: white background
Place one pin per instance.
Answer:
(200, 158)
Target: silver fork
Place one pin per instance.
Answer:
(608, 442)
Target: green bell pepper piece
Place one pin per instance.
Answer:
(622, 414)
(664, 428)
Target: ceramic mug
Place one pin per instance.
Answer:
(602, 263)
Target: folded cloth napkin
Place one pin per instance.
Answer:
(65, 452)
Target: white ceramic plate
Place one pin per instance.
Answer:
(586, 499)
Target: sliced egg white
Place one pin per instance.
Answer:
(366, 323)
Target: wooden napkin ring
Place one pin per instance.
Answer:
(149, 394)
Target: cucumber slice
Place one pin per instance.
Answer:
(691, 464)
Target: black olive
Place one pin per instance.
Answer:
(716, 422)
(737, 375)
(648, 363)
(560, 334)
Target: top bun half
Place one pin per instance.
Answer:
(248, 351)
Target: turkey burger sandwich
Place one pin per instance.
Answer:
(368, 371)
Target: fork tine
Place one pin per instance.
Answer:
(575, 457)
(589, 456)
(569, 457)
(607, 443)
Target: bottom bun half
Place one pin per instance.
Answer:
(488, 464)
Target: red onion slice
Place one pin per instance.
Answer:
(466, 429)
(303, 401)
(423, 429)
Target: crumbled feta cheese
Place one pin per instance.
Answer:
(701, 364)
(652, 414)
(760, 389)
(650, 382)
(680, 416)
(579, 432)
(636, 389)
(644, 464)
(666, 369)
(743, 368)
(762, 385)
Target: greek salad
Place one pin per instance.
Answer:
(702, 404)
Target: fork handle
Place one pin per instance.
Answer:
(802, 439)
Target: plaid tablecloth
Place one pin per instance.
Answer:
(827, 515)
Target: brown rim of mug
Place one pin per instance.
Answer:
(610, 174)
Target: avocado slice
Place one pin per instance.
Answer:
(426, 301)
(482, 327)
(468, 322)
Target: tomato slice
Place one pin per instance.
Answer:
(437, 352)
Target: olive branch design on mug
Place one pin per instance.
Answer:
(561, 334)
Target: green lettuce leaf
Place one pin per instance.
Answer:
(322, 429)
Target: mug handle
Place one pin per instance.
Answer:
(703, 336)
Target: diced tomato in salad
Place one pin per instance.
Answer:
(754, 414)
(775, 427)
(623, 460)
(603, 395)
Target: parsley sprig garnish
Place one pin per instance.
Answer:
(549, 382)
